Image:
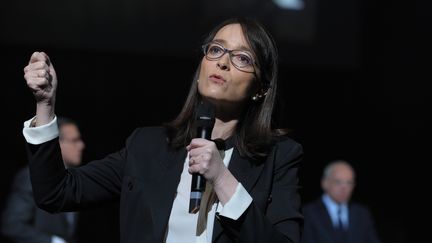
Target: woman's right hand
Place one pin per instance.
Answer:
(42, 80)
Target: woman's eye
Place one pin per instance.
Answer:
(243, 59)
(215, 50)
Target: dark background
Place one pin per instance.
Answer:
(350, 85)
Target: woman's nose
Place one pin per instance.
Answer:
(224, 63)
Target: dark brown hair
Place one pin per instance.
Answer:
(253, 134)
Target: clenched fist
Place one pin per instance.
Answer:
(204, 158)
(41, 77)
(42, 80)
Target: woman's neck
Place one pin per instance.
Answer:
(227, 117)
(223, 129)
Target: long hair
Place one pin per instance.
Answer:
(253, 134)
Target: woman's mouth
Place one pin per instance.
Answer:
(217, 79)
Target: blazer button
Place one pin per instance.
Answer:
(270, 198)
(130, 185)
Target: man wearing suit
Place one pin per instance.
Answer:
(332, 218)
(22, 220)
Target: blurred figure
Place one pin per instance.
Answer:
(22, 220)
(332, 218)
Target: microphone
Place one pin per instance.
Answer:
(205, 120)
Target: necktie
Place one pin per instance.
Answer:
(340, 229)
(207, 201)
(209, 197)
(339, 216)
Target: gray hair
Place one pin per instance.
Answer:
(329, 167)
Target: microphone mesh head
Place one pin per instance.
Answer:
(205, 111)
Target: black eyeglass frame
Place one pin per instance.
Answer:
(226, 50)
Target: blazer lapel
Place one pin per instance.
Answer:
(326, 220)
(352, 226)
(246, 173)
(164, 194)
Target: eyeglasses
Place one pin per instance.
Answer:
(242, 60)
(338, 182)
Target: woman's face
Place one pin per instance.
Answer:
(219, 80)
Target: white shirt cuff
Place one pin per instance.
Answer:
(237, 204)
(56, 239)
(41, 134)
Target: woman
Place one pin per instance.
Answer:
(251, 184)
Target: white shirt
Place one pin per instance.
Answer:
(182, 224)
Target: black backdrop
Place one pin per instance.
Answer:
(349, 87)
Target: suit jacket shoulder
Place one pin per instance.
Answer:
(22, 180)
(359, 207)
(287, 152)
(150, 137)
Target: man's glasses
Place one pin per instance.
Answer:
(338, 182)
(241, 59)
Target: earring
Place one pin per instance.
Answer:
(256, 97)
(197, 80)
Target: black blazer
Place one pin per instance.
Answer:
(318, 227)
(23, 221)
(144, 176)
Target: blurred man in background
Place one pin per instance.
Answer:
(22, 220)
(332, 218)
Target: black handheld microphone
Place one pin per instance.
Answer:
(205, 120)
